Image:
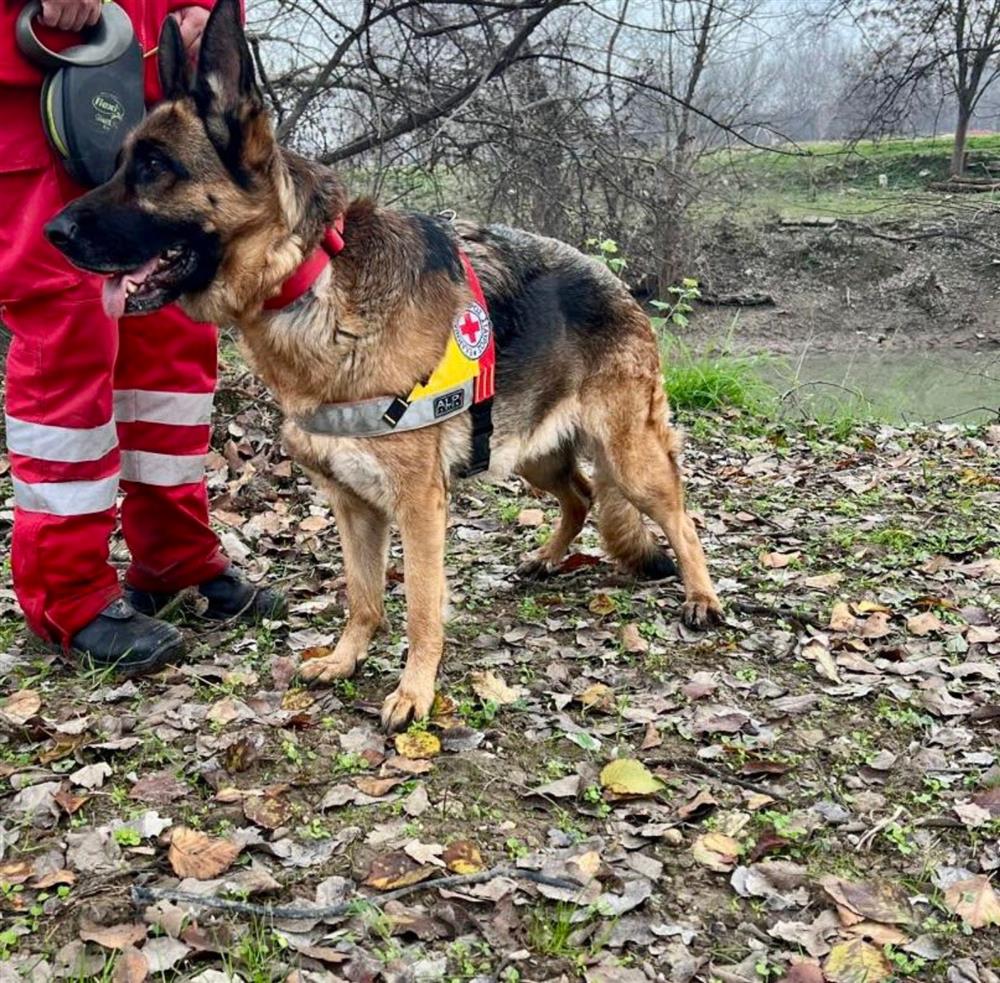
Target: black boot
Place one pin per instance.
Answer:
(229, 596)
(127, 641)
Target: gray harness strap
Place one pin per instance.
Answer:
(379, 416)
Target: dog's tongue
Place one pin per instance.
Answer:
(115, 290)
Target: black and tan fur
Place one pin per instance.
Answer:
(578, 371)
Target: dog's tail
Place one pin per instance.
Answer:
(627, 538)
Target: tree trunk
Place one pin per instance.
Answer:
(958, 151)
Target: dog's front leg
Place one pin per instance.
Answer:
(423, 517)
(364, 537)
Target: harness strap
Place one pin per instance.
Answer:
(481, 411)
(371, 417)
(463, 379)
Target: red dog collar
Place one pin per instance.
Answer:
(307, 273)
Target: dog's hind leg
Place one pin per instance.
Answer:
(626, 537)
(364, 537)
(559, 474)
(423, 517)
(638, 451)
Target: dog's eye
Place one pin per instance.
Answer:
(149, 168)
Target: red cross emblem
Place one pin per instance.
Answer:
(472, 331)
(470, 328)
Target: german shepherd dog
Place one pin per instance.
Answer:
(206, 208)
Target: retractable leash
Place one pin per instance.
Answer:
(93, 92)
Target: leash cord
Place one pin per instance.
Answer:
(142, 896)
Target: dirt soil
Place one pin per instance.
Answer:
(810, 792)
(902, 285)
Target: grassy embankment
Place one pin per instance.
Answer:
(843, 180)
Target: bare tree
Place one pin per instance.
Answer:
(577, 119)
(956, 41)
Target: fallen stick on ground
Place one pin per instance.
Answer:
(787, 613)
(142, 896)
(722, 776)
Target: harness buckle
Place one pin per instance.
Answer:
(394, 412)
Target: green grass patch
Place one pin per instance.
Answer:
(906, 163)
(714, 380)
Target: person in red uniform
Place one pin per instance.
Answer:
(96, 407)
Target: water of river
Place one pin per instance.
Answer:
(899, 386)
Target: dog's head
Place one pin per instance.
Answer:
(202, 193)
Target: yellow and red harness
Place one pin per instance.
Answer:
(463, 379)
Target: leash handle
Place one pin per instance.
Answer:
(103, 43)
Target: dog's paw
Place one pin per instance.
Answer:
(701, 610)
(536, 566)
(406, 704)
(327, 669)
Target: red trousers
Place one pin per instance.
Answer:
(93, 408)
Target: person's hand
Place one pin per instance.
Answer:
(191, 21)
(70, 15)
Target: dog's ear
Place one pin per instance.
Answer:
(226, 92)
(171, 59)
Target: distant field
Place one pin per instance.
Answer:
(844, 180)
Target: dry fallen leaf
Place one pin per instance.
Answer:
(396, 869)
(490, 687)
(841, 618)
(982, 634)
(15, 871)
(21, 706)
(876, 625)
(924, 624)
(881, 901)
(112, 936)
(627, 777)
(268, 811)
(163, 953)
(418, 744)
(602, 604)
(158, 789)
(377, 787)
(598, 696)
(632, 641)
(530, 517)
(988, 799)
(195, 854)
(823, 581)
(52, 878)
(424, 853)
(716, 851)
(131, 966)
(867, 607)
(463, 857)
(803, 972)
(817, 652)
(410, 767)
(974, 901)
(777, 561)
(69, 802)
(856, 962)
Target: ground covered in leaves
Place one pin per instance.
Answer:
(810, 793)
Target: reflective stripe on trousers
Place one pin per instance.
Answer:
(72, 445)
(69, 444)
(178, 409)
(165, 470)
(66, 497)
